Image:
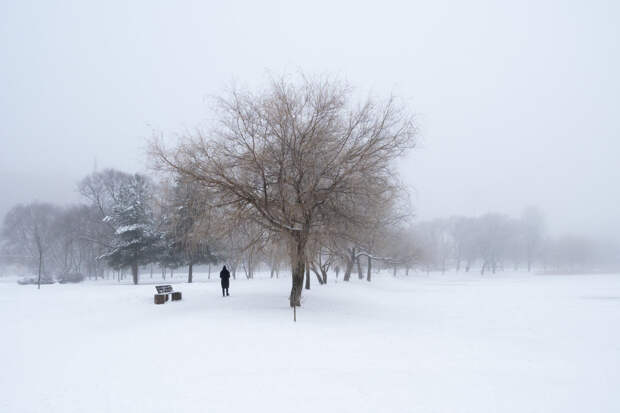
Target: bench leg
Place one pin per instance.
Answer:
(176, 296)
(160, 298)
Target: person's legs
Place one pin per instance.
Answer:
(223, 292)
(227, 291)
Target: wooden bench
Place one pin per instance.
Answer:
(163, 291)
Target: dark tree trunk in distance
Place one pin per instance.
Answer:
(40, 268)
(368, 270)
(350, 262)
(190, 272)
(319, 279)
(314, 269)
(360, 275)
(134, 272)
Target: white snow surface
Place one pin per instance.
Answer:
(128, 228)
(452, 343)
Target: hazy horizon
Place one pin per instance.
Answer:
(516, 103)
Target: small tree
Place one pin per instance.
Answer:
(28, 234)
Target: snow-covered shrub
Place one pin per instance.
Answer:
(75, 277)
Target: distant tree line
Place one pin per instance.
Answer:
(496, 242)
(128, 222)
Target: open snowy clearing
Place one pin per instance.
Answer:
(454, 343)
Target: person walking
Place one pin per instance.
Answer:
(225, 280)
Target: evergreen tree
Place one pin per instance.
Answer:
(136, 239)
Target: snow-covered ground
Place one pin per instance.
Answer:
(503, 343)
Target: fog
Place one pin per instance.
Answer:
(517, 104)
(277, 264)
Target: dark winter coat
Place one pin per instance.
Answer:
(225, 277)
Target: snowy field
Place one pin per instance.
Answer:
(504, 343)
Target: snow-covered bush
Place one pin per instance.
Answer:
(75, 277)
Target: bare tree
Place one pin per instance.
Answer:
(103, 189)
(187, 227)
(28, 231)
(274, 256)
(296, 157)
(495, 232)
(74, 250)
(322, 259)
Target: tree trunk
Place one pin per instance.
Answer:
(360, 275)
(40, 269)
(134, 272)
(350, 262)
(298, 260)
(368, 278)
(318, 277)
(307, 276)
(190, 272)
(314, 269)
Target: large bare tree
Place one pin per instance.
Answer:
(296, 157)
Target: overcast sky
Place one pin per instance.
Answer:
(518, 102)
